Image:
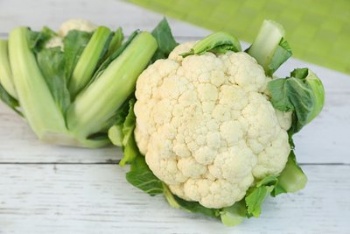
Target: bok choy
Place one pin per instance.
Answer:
(69, 84)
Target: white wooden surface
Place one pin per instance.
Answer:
(50, 189)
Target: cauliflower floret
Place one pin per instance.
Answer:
(54, 42)
(72, 24)
(175, 54)
(285, 119)
(206, 126)
(75, 24)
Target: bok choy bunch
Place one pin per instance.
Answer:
(69, 84)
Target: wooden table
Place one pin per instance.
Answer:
(50, 189)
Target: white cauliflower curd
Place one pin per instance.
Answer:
(66, 27)
(76, 24)
(206, 126)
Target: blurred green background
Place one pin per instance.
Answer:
(317, 31)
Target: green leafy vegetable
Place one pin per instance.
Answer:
(291, 179)
(8, 92)
(116, 42)
(302, 93)
(121, 133)
(166, 42)
(142, 177)
(195, 207)
(5, 70)
(74, 44)
(115, 54)
(38, 40)
(112, 88)
(35, 98)
(88, 61)
(70, 88)
(233, 215)
(9, 100)
(52, 65)
(218, 42)
(256, 196)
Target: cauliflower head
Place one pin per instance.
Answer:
(206, 126)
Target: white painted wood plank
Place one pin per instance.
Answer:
(323, 141)
(326, 136)
(97, 199)
(19, 144)
(112, 13)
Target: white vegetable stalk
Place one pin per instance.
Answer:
(78, 113)
(270, 34)
(88, 60)
(269, 47)
(94, 107)
(37, 103)
(5, 70)
(218, 42)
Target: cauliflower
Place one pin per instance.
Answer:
(69, 25)
(206, 127)
(211, 127)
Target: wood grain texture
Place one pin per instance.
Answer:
(18, 144)
(97, 199)
(112, 13)
(51, 189)
(325, 140)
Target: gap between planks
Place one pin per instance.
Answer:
(116, 162)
